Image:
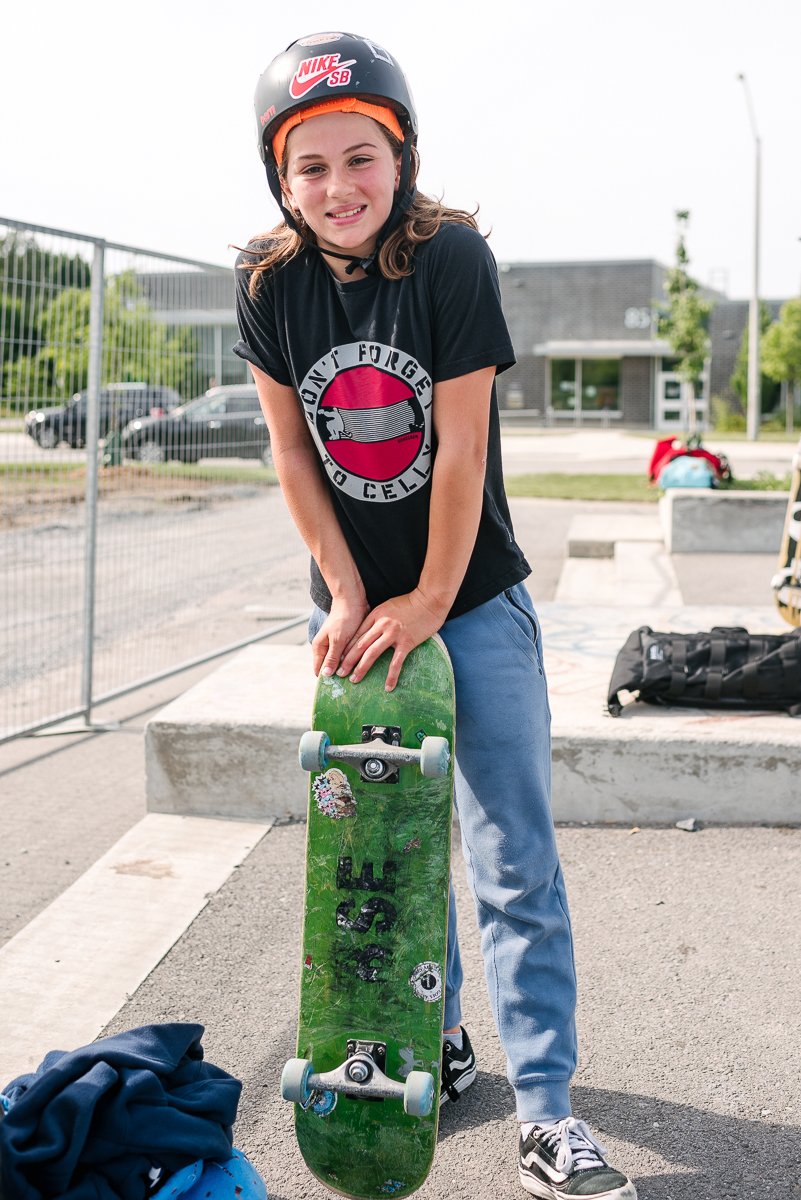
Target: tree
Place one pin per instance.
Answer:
(781, 348)
(684, 322)
(739, 379)
(136, 346)
(29, 278)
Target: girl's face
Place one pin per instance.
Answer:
(341, 173)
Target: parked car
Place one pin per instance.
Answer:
(225, 422)
(119, 404)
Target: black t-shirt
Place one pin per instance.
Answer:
(363, 358)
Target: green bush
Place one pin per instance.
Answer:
(777, 422)
(763, 481)
(726, 419)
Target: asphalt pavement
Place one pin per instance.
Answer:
(687, 950)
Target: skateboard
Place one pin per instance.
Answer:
(366, 1080)
(786, 582)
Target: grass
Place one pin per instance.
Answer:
(628, 488)
(763, 481)
(553, 486)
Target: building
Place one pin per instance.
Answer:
(587, 347)
(728, 322)
(203, 301)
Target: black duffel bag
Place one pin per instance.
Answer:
(724, 668)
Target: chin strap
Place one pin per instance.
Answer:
(403, 199)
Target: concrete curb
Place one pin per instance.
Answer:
(229, 746)
(706, 521)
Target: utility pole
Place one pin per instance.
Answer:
(754, 405)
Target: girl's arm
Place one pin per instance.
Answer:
(299, 473)
(461, 421)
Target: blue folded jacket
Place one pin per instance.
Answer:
(92, 1124)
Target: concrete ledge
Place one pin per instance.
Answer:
(228, 747)
(594, 536)
(705, 520)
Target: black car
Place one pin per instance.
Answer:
(119, 404)
(225, 422)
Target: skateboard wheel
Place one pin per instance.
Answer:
(435, 757)
(295, 1081)
(418, 1094)
(311, 751)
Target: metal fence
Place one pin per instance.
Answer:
(129, 448)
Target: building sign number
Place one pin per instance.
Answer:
(637, 318)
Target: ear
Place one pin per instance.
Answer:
(397, 172)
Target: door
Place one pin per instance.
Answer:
(672, 408)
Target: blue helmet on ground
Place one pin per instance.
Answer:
(686, 471)
(234, 1179)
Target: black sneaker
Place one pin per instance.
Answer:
(564, 1159)
(458, 1068)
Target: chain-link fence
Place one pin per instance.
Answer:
(131, 446)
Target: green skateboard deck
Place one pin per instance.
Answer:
(787, 581)
(366, 1079)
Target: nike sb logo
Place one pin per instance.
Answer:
(315, 70)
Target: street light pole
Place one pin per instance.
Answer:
(754, 406)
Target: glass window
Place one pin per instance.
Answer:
(563, 384)
(242, 404)
(207, 407)
(600, 384)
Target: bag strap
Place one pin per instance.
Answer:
(751, 679)
(678, 668)
(790, 657)
(717, 663)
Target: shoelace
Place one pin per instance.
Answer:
(574, 1144)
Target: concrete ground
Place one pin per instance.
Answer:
(686, 952)
(687, 947)
(622, 451)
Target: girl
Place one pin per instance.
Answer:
(372, 323)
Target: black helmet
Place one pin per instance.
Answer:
(326, 67)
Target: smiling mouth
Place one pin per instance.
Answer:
(347, 212)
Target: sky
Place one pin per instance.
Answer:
(579, 127)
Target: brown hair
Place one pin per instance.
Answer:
(421, 221)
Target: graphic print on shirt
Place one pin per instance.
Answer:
(369, 410)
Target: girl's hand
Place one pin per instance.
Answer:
(403, 622)
(336, 633)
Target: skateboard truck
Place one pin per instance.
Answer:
(359, 1077)
(376, 769)
(376, 758)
